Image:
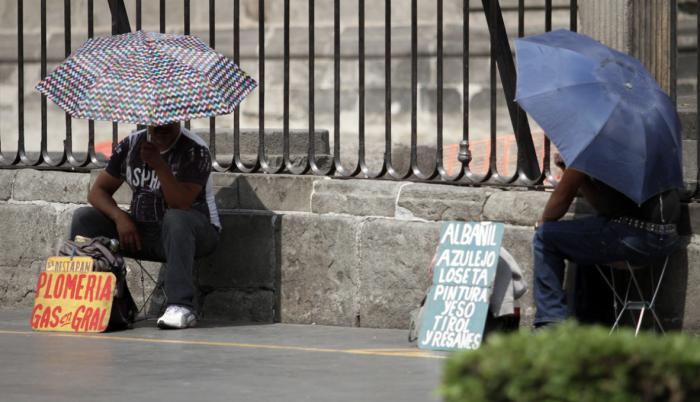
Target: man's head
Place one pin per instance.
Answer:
(164, 135)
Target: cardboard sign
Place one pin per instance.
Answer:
(458, 301)
(69, 264)
(73, 301)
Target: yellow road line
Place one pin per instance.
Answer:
(407, 352)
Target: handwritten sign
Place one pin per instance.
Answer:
(73, 301)
(69, 264)
(463, 276)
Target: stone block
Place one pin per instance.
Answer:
(678, 297)
(518, 241)
(515, 207)
(51, 186)
(319, 269)
(7, 178)
(122, 196)
(17, 284)
(442, 203)
(688, 113)
(690, 161)
(28, 233)
(690, 219)
(690, 307)
(393, 278)
(247, 255)
(63, 222)
(226, 197)
(225, 190)
(275, 192)
(246, 305)
(355, 197)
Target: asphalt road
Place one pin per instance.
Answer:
(217, 361)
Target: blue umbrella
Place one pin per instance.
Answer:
(603, 111)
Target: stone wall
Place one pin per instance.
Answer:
(305, 249)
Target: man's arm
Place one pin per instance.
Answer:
(101, 197)
(178, 195)
(565, 192)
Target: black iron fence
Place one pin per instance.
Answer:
(455, 167)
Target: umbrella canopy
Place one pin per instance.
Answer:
(604, 112)
(146, 78)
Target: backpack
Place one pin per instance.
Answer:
(124, 308)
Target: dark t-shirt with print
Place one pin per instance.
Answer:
(190, 162)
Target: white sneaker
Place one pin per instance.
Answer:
(177, 317)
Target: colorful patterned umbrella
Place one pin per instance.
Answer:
(146, 78)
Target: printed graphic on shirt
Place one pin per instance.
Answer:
(190, 162)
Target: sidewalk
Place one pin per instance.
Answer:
(217, 361)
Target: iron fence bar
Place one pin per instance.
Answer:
(286, 159)
(92, 155)
(120, 25)
(68, 143)
(313, 164)
(138, 15)
(492, 172)
(5, 161)
(361, 156)
(161, 16)
(520, 176)
(521, 20)
(387, 98)
(442, 171)
(47, 159)
(573, 15)
(546, 158)
(465, 156)
(120, 20)
(212, 120)
(339, 169)
(285, 86)
(240, 166)
(527, 157)
(186, 17)
(697, 100)
(186, 25)
(264, 162)
(414, 99)
(22, 145)
(361, 87)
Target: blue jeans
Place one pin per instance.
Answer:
(587, 242)
(182, 236)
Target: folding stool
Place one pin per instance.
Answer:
(642, 302)
(158, 286)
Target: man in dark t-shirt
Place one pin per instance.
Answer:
(172, 216)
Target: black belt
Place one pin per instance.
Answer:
(658, 228)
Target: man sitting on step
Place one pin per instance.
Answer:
(173, 217)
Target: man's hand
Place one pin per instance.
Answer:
(129, 238)
(151, 155)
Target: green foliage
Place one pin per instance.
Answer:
(576, 363)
